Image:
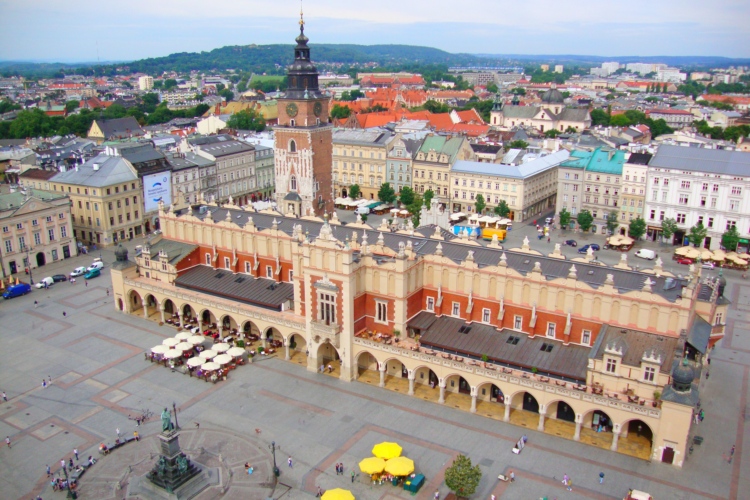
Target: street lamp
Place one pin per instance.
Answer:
(174, 410)
(273, 450)
(71, 493)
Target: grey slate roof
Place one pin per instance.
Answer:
(112, 170)
(634, 344)
(568, 361)
(120, 128)
(521, 171)
(259, 292)
(140, 153)
(515, 111)
(712, 161)
(175, 250)
(363, 137)
(591, 274)
(699, 334)
(190, 160)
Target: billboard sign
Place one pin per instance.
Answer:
(156, 188)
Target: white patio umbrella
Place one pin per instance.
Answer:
(173, 354)
(208, 367)
(183, 346)
(196, 339)
(236, 351)
(195, 361)
(171, 342)
(222, 359)
(404, 212)
(160, 349)
(208, 354)
(182, 335)
(222, 347)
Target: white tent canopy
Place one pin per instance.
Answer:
(173, 354)
(209, 366)
(196, 339)
(223, 359)
(171, 342)
(160, 349)
(208, 354)
(182, 335)
(222, 347)
(236, 351)
(195, 361)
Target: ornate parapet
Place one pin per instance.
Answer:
(322, 332)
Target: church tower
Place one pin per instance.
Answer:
(303, 139)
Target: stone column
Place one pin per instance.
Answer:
(412, 376)
(221, 330)
(200, 325)
(579, 423)
(145, 308)
(506, 418)
(442, 392)
(382, 368)
(540, 427)
(286, 351)
(161, 309)
(182, 321)
(473, 403)
(615, 437)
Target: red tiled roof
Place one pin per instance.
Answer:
(667, 111)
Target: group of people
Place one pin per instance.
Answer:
(323, 368)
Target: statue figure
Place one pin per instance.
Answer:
(161, 466)
(166, 421)
(182, 464)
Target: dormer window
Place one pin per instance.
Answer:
(649, 374)
(611, 366)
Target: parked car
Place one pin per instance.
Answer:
(549, 220)
(45, 282)
(96, 265)
(708, 265)
(16, 290)
(78, 271)
(685, 260)
(585, 248)
(571, 243)
(59, 277)
(92, 273)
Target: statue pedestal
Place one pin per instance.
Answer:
(170, 444)
(173, 468)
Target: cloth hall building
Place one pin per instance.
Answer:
(605, 356)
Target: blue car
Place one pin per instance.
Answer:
(92, 274)
(17, 290)
(585, 248)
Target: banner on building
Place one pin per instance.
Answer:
(156, 188)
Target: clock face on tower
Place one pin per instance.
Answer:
(317, 109)
(291, 109)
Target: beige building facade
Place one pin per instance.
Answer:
(633, 196)
(35, 228)
(360, 157)
(432, 164)
(565, 347)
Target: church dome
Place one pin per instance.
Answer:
(121, 254)
(553, 96)
(683, 376)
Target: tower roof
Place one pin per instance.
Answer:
(302, 74)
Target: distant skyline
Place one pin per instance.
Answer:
(88, 30)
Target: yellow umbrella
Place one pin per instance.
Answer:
(337, 494)
(400, 466)
(372, 465)
(682, 251)
(386, 450)
(692, 253)
(706, 254)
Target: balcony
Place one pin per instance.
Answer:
(322, 332)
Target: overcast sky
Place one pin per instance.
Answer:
(73, 30)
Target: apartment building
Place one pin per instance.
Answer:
(633, 194)
(193, 178)
(399, 162)
(693, 185)
(145, 82)
(529, 188)
(35, 228)
(433, 161)
(264, 173)
(591, 180)
(360, 157)
(235, 166)
(107, 199)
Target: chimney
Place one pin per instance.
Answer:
(95, 166)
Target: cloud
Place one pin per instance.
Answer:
(73, 30)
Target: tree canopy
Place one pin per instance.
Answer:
(697, 234)
(502, 209)
(585, 219)
(462, 477)
(340, 112)
(564, 218)
(247, 119)
(612, 221)
(668, 228)
(406, 196)
(730, 239)
(479, 204)
(637, 228)
(386, 193)
(354, 191)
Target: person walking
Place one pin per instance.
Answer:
(289, 462)
(731, 454)
(49, 472)
(352, 475)
(62, 463)
(437, 495)
(118, 433)
(7, 441)
(136, 436)
(601, 477)
(44, 384)
(5, 397)
(569, 484)
(70, 463)
(35, 304)
(75, 452)
(512, 476)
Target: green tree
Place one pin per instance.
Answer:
(585, 219)
(340, 112)
(227, 94)
(552, 133)
(462, 477)
(659, 127)
(668, 228)
(480, 204)
(518, 91)
(436, 107)
(620, 121)
(428, 196)
(612, 222)
(564, 218)
(599, 117)
(386, 193)
(491, 87)
(115, 111)
(8, 105)
(351, 95)
(517, 144)
(697, 234)
(149, 102)
(406, 196)
(170, 83)
(415, 209)
(730, 238)
(502, 209)
(354, 191)
(247, 119)
(71, 106)
(637, 228)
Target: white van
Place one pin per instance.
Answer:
(363, 210)
(645, 253)
(46, 282)
(98, 264)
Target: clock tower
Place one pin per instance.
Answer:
(303, 139)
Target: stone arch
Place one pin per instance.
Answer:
(424, 375)
(596, 311)
(509, 289)
(490, 391)
(428, 278)
(250, 328)
(208, 319)
(561, 410)
(597, 420)
(543, 297)
(456, 383)
(297, 346)
(633, 318)
(273, 334)
(327, 355)
(526, 294)
(188, 312)
(636, 438)
(365, 362)
(560, 303)
(674, 319)
(653, 317)
(614, 314)
(135, 302)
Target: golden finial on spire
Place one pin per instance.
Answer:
(301, 18)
